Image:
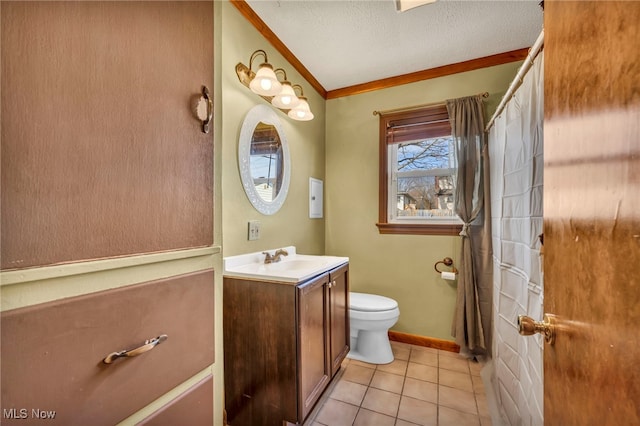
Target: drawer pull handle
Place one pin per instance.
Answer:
(148, 345)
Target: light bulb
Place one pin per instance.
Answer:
(286, 100)
(265, 84)
(302, 111)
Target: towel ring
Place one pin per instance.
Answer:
(447, 261)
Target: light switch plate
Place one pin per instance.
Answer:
(254, 230)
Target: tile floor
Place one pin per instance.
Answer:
(422, 386)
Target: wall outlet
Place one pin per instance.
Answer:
(254, 230)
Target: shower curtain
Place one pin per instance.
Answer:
(515, 149)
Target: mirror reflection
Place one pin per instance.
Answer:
(266, 161)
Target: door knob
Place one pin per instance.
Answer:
(528, 326)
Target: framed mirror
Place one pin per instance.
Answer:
(264, 160)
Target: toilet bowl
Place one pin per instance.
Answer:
(370, 317)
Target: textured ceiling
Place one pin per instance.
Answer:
(344, 43)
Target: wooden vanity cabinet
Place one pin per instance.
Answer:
(283, 343)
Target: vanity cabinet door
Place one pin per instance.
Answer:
(314, 368)
(339, 316)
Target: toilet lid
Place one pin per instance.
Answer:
(371, 302)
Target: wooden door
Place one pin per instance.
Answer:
(101, 154)
(592, 212)
(339, 313)
(313, 322)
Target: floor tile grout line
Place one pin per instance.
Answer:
(365, 395)
(402, 389)
(404, 380)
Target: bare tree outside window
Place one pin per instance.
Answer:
(424, 175)
(424, 155)
(416, 172)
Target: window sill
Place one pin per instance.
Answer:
(418, 229)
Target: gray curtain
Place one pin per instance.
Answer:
(472, 319)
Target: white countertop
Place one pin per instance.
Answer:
(293, 268)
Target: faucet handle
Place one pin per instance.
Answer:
(267, 258)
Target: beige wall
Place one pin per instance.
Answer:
(396, 266)
(291, 224)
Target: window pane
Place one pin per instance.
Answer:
(426, 196)
(425, 154)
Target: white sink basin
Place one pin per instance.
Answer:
(294, 265)
(293, 268)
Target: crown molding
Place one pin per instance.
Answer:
(473, 64)
(251, 16)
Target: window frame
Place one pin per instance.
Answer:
(426, 122)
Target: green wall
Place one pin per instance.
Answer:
(340, 146)
(291, 224)
(397, 266)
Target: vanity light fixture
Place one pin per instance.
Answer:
(287, 98)
(280, 94)
(265, 82)
(301, 112)
(404, 5)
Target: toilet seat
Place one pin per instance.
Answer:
(391, 314)
(364, 302)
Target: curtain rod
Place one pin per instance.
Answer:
(517, 81)
(484, 95)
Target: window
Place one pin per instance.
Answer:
(417, 172)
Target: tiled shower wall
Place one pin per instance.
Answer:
(516, 146)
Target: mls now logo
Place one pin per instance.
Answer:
(23, 413)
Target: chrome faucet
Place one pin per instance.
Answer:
(268, 258)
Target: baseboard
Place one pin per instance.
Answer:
(429, 342)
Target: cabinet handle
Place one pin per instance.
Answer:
(147, 346)
(206, 120)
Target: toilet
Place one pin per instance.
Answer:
(370, 317)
